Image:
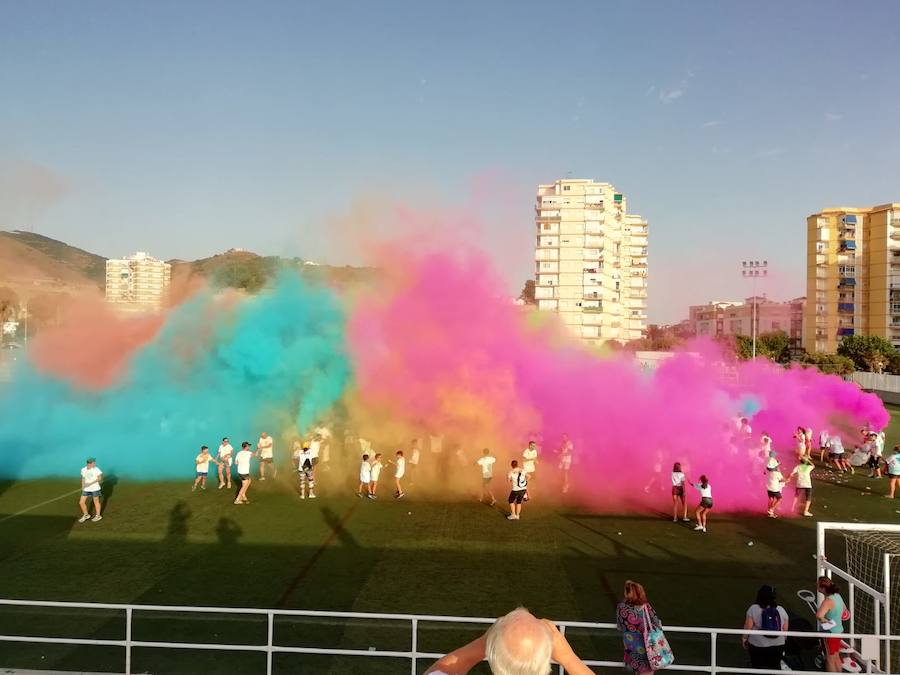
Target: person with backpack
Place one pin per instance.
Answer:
(518, 483)
(766, 649)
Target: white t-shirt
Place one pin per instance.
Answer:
(677, 479)
(243, 462)
(304, 456)
(519, 480)
(400, 468)
(376, 470)
(893, 462)
(774, 481)
(837, 445)
(202, 462)
(705, 492)
(487, 466)
(804, 476)
(823, 439)
(226, 452)
(414, 459)
(365, 472)
(755, 615)
(91, 478)
(264, 445)
(529, 456)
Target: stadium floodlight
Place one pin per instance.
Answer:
(754, 269)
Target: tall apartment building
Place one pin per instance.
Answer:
(721, 318)
(139, 281)
(853, 275)
(591, 260)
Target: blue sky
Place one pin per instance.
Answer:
(186, 128)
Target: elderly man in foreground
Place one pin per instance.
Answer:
(517, 643)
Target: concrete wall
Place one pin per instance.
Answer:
(887, 387)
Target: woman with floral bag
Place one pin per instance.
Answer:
(646, 648)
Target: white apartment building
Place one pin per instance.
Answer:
(591, 260)
(139, 281)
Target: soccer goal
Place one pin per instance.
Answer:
(866, 559)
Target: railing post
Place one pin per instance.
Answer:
(712, 652)
(415, 645)
(128, 641)
(562, 630)
(271, 631)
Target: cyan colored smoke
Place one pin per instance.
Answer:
(273, 362)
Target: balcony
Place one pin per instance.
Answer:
(895, 233)
(847, 282)
(848, 245)
(846, 307)
(592, 310)
(844, 331)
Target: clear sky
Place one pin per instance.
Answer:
(186, 128)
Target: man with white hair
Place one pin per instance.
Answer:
(517, 643)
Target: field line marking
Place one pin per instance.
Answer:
(37, 506)
(289, 591)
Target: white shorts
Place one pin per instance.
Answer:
(400, 474)
(363, 478)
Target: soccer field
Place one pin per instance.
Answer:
(159, 543)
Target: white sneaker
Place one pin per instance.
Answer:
(262, 478)
(510, 517)
(699, 528)
(84, 518)
(221, 486)
(704, 530)
(302, 496)
(312, 495)
(96, 519)
(685, 520)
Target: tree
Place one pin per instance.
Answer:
(251, 275)
(527, 293)
(774, 346)
(830, 364)
(9, 303)
(868, 352)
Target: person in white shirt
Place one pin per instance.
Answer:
(518, 487)
(892, 462)
(377, 466)
(242, 461)
(803, 473)
(565, 461)
(226, 454)
(824, 444)
(399, 472)
(706, 502)
(365, 476)
(679, 503)
(306, 473)
(486, 462)
(202, 461)
(875, 449)
(838, 456)
(91, 477)
(529, 464)
(774, 486)
(265, 450)
(415, 453)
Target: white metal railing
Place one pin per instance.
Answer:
(414, 655)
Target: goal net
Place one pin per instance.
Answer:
(865, 560)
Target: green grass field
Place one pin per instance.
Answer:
(161, 544)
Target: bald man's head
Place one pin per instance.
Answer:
(519, 644)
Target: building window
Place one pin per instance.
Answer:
(546, 226)
(566, 188)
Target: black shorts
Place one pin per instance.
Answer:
(804, 493)
(678, 490)
(516, 496)
(265, 460)
(874, 462)
(835, 456)
(774, 495)
(244, 476)
(706, 503)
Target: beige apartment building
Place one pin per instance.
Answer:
(137, 282)
(853, 275)
(720, 318)
(591, 260)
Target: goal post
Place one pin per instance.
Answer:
(866, 557)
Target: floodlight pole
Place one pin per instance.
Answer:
(754, 269)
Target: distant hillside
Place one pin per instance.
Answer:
(33, 260)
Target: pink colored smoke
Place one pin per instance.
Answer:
(445, 349)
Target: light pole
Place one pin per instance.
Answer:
(754, 269)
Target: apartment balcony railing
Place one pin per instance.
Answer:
(845, 307)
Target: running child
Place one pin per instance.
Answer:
(824, 444)
(305, 462)
(774, 485)
(706, 503)
(893, 471)
(377, 466)
(486, 462)
(529, 464)
(875, 450)
(678, 481)
(399, 472)
(518, 486)
(225, 458)
(202, 463)
(803, 490)
(242, 461)
(365, 476)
